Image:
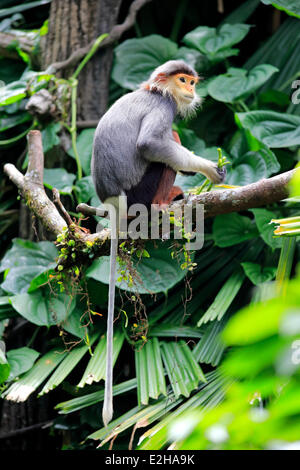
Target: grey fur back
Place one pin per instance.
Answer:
(116, 164)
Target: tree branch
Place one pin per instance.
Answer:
(9, 41)
(261, 193)
(113, 36)
(266, 191)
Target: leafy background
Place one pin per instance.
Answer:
(223, 334)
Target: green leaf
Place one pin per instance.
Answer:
(183, 371)
(32, 379)
(20, 361)
(257, 273)
(216, 43)
(66, 366)
(84, 144)
(86, 189)
(4, 365)
(12, 92)
(238, 84)
(273, 129)
(6, 310)
(224, 298)
(135, 59)
(94, 398)
(42, 309)
(193, 58)
(158, 273)
(291, 7)
(8, 122)
(242, 12)
(95, 370)
(210, 348)
(247, 327)
(150, 373)
(60, 179)
(49, 136)
(252, 167)
(263, 218)
(230, 229)
(248, 169)
(25, 261)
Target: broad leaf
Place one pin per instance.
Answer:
(7, 122)
(135, 59)
(25, 261)
(230, 229)
(49, 136)
(158, 273)
(252, 167)
(12, 93)
(193, 58)
(84, 145)
(238, 84)
(20, 361)
(60, 179)
(291, 7)
(85, 189)
(257, 273)
(4, 365)
(216, 43)
(272, 128)
(263, 218)
(43, 309)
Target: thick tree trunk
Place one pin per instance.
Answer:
(73, 24)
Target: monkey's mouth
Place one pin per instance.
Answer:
(188, 97)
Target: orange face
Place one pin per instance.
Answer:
(186, 84)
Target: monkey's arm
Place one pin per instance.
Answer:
(155, 143)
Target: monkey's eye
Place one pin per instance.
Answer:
(192, 82)
(182, 79)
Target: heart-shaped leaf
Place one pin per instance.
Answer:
(60, 179)
(25, 261)
(230, 229)
(157, 273)
(252, 167)
(257, 273)
(20, 361)
(135, 59)
(238, 84)
(216, 43)
(41, 308)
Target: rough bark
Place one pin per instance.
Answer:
(73, 24)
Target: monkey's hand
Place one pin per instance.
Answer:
(215, 174)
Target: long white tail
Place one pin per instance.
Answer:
(107, 411)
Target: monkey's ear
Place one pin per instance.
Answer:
(161, 77)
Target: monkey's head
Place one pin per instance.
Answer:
(178, 79)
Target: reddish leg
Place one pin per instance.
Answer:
(166, 192)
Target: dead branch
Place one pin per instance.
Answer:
(113, 36)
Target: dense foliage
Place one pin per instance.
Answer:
(206, 351)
